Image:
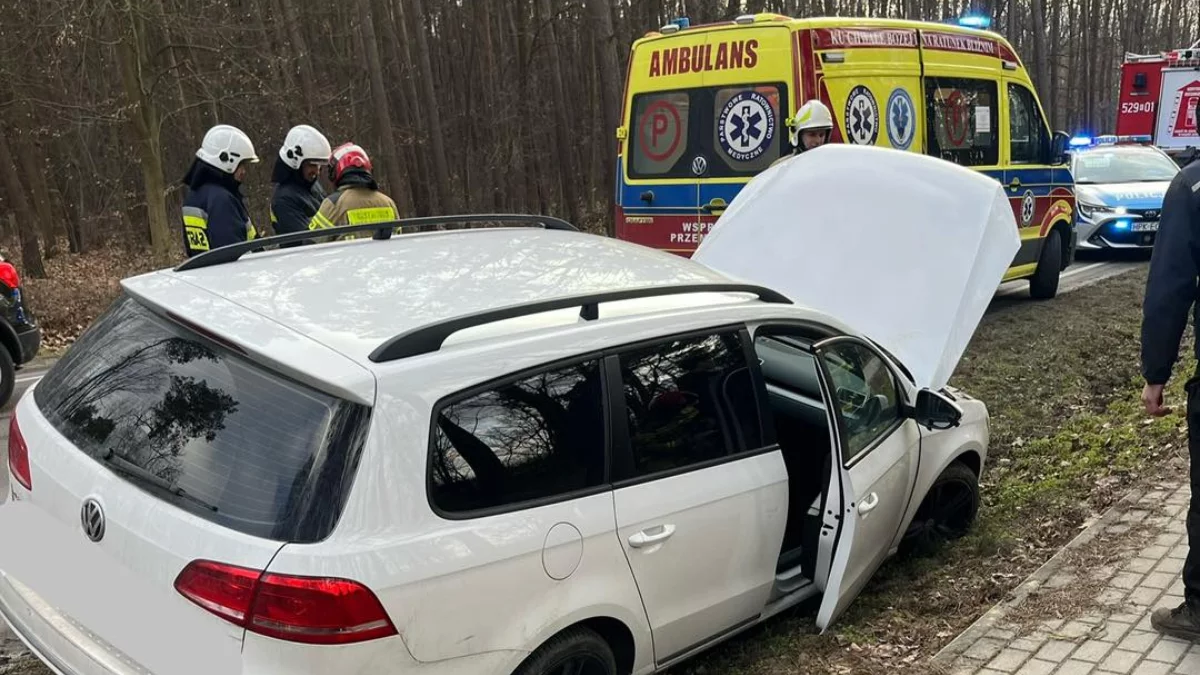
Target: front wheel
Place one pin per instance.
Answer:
(578, 651)
(1044, 283)
(948, 510)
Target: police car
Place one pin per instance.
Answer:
(1119, 188)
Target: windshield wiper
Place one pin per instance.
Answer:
(123, 466)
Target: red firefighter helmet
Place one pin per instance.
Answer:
(345, 157)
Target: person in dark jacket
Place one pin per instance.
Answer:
(1171, 293)
(298, 193)
(214, 212)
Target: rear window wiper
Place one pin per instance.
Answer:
(122, 465)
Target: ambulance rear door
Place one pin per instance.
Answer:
(872, 75)
(747, 98)
(1176, 129)
(658, 199)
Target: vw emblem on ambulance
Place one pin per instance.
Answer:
(699, 165)
(92, 518)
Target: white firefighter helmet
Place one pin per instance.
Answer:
(304, 143)
(813, 115)
(225, 147)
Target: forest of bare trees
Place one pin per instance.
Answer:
(503, 105)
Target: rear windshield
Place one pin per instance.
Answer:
(733, 131)
(198, 426)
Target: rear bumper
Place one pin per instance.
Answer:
(54, 639)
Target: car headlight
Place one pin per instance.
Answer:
(1093, 211)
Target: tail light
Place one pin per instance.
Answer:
(312, 610)
(9, 276)
(18, 455)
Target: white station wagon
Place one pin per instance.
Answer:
(507, 450)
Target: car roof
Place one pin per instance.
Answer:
(352, 296)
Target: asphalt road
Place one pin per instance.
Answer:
(1082, 273)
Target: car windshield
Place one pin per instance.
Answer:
(1127, 165)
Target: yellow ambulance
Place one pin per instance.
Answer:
(707, 107)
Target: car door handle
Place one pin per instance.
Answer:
(868, 505)
(652, 535)
(715, 205)
(1014, 184)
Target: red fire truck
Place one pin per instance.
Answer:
(1158, 99)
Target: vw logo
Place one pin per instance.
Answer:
(699, 165)
(92, 517)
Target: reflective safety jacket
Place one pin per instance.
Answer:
(214, 213)
(354, 205)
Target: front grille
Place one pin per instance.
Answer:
(1146, 214)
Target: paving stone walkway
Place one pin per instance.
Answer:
(1076, 616)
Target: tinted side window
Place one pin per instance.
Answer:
(962, 120)
(1029, 137)
(867, 398)
(539, 437)
(689, 401)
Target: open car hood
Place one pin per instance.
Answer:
(905, 248)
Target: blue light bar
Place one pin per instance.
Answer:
(1141, 138)
(1106, 139)
(1122, 224)
(975, 21)
(1080, 141)
(683, 22)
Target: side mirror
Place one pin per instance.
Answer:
(1058, 148)
(935, 410)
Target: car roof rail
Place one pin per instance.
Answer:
(233, 252)
(428, 339)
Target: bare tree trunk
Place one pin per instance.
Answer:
(445, 199)
(34, 172)
(610, 95)
(383, 115)
(567, 171)
(31, 255)
(145, 121)
(308, 80)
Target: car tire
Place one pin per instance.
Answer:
(947, 512)
(581, 647)
(1044, 283)
(8, 376)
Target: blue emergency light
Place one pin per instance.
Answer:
(683, 22)
(975, 21)
(1122, 224)
(1080, 141)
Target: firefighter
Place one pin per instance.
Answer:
(356, 198)
(811, 127)
(1171, 292)
(214, 212)
(298, 193)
